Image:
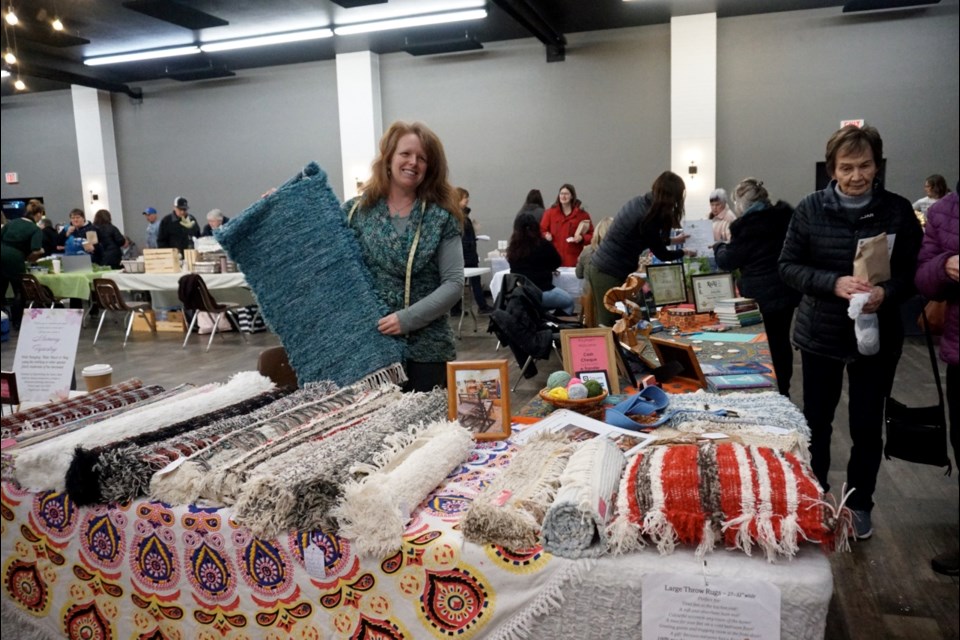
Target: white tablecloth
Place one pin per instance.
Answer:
(566, 279)
(231, 287)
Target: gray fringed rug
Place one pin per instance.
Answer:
(510, 509)
(305, 268)
(126, 471)
(298, 490)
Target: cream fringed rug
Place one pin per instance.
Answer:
(374, 511)
(43, 467)
(510, 509)
(297, 491)
(575, 525)
(126, 472)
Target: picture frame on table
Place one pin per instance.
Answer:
(478, 394)
(708, 288)
(667, 283)
(680, 357)
(8, 388)
(591, 350)
(598, 376)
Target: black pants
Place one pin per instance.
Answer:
(777, 326)
(953, 404)
(424, 376)
(869, 379)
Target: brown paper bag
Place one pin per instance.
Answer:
(872, 261)
(92, 237)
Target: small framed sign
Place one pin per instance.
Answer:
(590, 350)
(666, 282)
(710, 287)
(599, 376)
(479, 397)
(8, 388)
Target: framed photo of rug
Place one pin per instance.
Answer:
(591, 350)
(478, 394)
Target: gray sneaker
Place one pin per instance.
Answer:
(862, 526)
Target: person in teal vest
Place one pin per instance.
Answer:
(409, 225)
(22, 241)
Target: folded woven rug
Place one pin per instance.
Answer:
(575, 524)
(510, 509)
(741, 496)
(43, 466)
(321, 288)
(126, 471)
(83, 479)
(767, 408)
(374, 511)
(54, 413)
(185, 480)
(298, 490)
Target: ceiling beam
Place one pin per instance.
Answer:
(69, 77)
(530, 19)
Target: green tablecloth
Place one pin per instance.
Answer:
(70, 285)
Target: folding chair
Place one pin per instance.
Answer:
(196, 297)
(108, 295)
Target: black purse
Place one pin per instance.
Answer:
(918, 434)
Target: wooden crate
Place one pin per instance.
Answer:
(161, 260)
(173, 324)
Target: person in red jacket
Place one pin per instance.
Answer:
(561, 225)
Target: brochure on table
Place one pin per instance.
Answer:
(46, 351)
(579, 427)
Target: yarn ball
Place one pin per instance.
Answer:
(574, 380)
(557, 394)
(577, 392)
(558, 379)
(593, 388)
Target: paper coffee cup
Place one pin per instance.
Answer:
(56, 266)
(97, 376)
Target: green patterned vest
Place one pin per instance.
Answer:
(385, 252)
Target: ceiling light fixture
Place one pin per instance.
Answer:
(10, 57)
(11, 17)
(57, 24)
(19, 85)
(412, 21)
(4, 73)
(261, 41)
(142, 55)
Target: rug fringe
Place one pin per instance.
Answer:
(392, 374)
(27, 627)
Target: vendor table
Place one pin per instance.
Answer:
(230, 287)
(469, 272)
(71, 285)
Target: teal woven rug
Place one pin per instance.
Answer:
(304, 266)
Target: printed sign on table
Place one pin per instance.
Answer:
(46, 351)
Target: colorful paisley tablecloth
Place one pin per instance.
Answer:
(146, 570)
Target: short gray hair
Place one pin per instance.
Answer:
(719, 195)
(749, 192)
(215, 214)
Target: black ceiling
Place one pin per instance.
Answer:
(50, 60)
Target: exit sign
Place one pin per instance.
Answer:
(11, 178)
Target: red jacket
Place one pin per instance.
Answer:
(562, 227)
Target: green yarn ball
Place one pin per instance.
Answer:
(558, 379)
(593, 388)
(577, 392)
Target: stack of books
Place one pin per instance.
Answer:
(737, 312)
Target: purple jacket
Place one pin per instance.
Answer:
(940, 241)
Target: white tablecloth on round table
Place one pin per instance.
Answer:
(566, 279)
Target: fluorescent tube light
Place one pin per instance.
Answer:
(142, 55)
(412, 21)
(4, 73)
(260, 41)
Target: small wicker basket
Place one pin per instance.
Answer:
(586, 405)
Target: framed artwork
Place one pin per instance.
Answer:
(680, 356)
(8, 388)
(591, 350)
(666, 282)
(710, 287)
(598, 376)
(478, 395)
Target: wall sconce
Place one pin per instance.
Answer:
(692, 170)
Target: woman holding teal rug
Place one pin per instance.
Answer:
(408, 223)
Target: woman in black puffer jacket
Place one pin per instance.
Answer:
(756, 238)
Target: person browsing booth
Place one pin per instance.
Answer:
(178, 228)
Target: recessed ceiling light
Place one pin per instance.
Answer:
(412, 21)
(57, 24)
(19, 85)
(142, 55)
(4, 73)
(11, 17)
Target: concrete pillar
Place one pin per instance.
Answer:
(97, 148)
(693, 107)
(361, 118)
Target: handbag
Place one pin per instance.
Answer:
(919, 434)
(933, 315)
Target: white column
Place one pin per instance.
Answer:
(361, 118)
(693, 107)
(97, 148)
